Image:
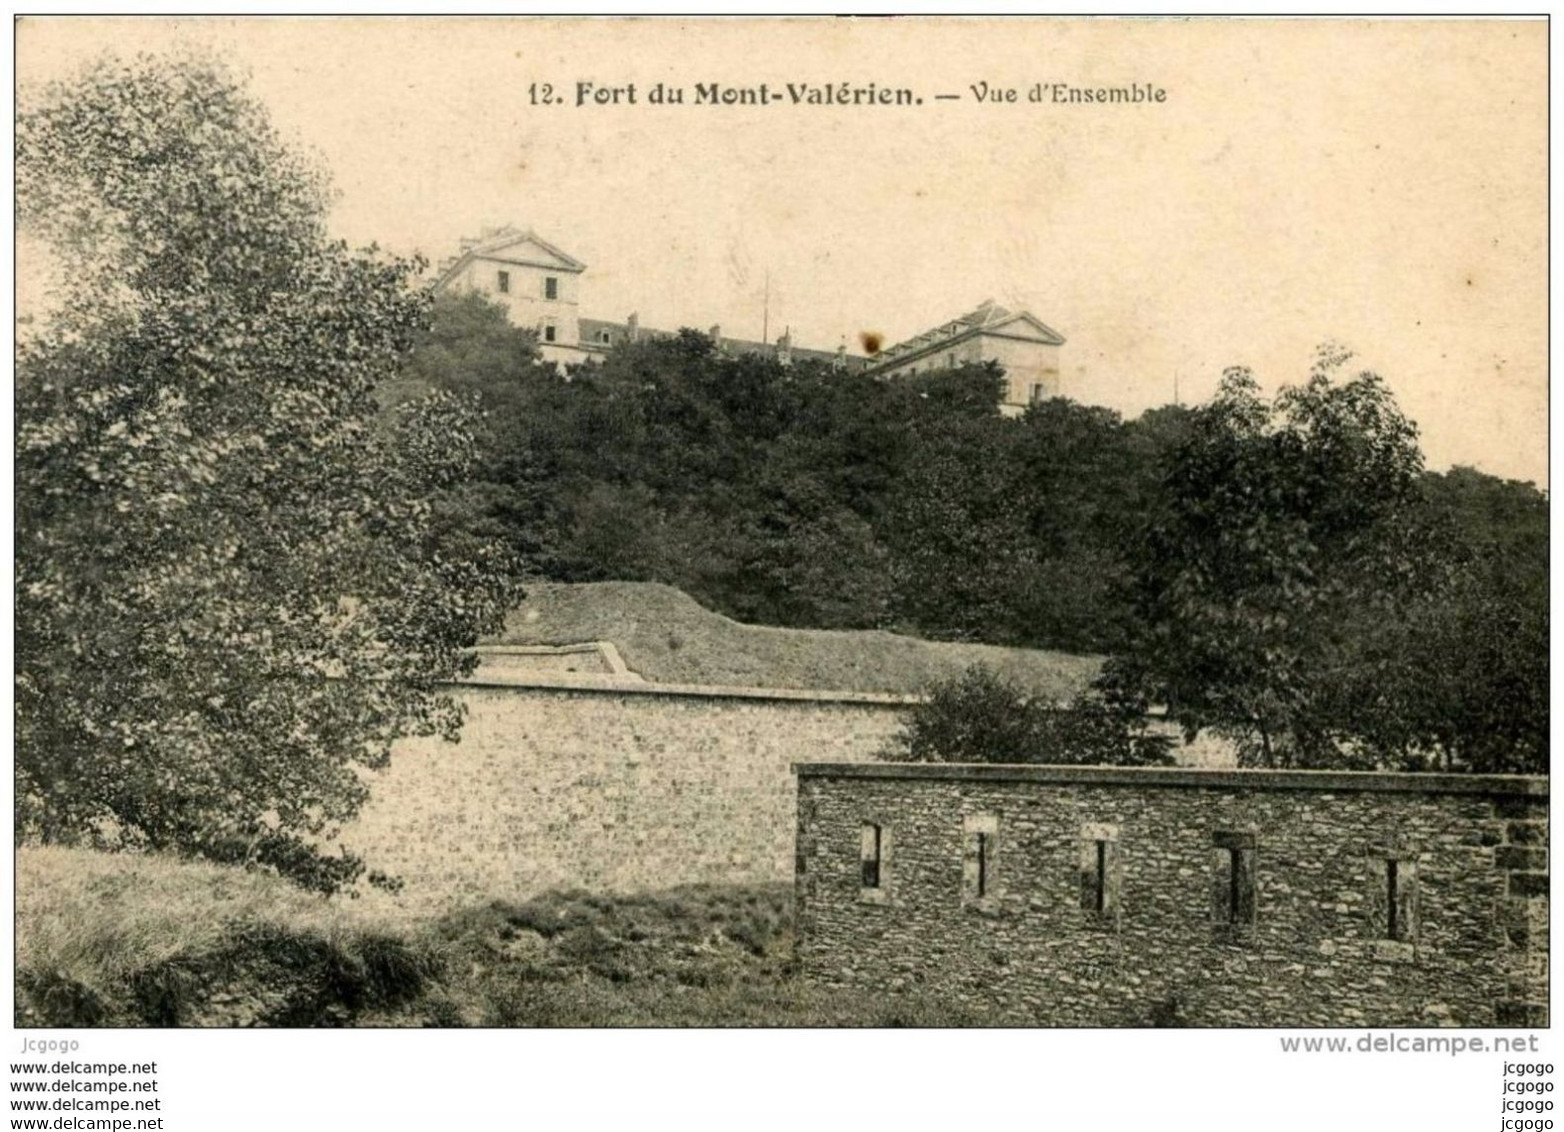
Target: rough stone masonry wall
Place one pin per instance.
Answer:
(605, 789)
(1029, 952)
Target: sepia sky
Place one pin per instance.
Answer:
(1382, 184)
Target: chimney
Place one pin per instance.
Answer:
(841, 357)
(716, 333)
(785, 347)
(633, 325)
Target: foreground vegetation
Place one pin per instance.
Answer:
(234, 588)
(146, 940)
(142, 939)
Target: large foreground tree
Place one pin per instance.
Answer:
(233, 591)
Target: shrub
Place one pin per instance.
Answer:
(982, 717)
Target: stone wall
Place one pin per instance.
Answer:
(605, 787)
(1199, 897)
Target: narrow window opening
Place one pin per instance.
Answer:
(1099, 868)
(980, 879)
(1102, 876)
(1391, 879)
(504, 282)
(1233, 878)
(982, 862)
(550, 287)
(872, 844)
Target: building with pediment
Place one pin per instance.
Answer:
(540, 285)
(1027, 349)
(536, 282)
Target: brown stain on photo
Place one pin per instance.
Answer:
(872, 341)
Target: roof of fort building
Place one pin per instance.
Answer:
(603, 334)
(987, 318)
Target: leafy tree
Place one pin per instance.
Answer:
(1080, 489)
(1460, 682)
(954, 530)
(790, 556)
(1500, 526)
(469, 345)
(1280, 527)
(470, 351)
(982, 717)
(233, 590)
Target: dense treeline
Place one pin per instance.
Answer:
(807, 496)
(1285, 572)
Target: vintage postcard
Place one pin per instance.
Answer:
(783, 523)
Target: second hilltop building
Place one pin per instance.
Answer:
(1021, 343)
(539, 285)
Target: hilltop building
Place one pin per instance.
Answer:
(598, 337)
(535, 281)
(1020, 342)
(540, 285)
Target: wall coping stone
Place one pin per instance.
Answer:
(618, 685)
(621, 674)
(607, 651)
(1323, 781)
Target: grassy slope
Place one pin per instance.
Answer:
(144, 940)
(667, 637)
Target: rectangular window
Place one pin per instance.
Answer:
(504, 282)
(549, 332)
(1038, 393)
(979, 870)
(550, 287)
(1102, 876)
(1233, 880)
(1392, 905)
(1240, 884)
(870, 855)
(874, 861)
(1099, 858)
